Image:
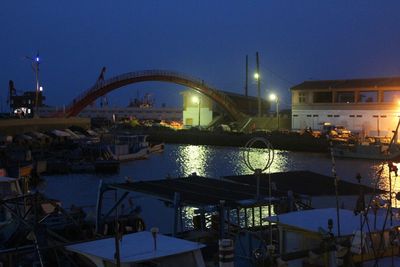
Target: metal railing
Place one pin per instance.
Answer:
(199, 84)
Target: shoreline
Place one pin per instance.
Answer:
(290, 141)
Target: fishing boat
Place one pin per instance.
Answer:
(210, 210)
(373, 149)
(129, 147)
(336, 237)
(367, 150)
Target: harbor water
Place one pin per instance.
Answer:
(209, 161)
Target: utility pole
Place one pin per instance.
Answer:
(199, 111)
(247, 76)
(258, 85)
(37, 84)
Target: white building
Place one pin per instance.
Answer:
(197, 109)
(368, 106)
(195, 104)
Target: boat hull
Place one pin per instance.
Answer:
(373, 152)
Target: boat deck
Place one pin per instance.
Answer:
(197, 191)
(305, 182)
(236, 190)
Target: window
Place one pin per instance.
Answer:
(302, 97)
(336, 116)
(345, 97)
(368, 96)
(330, 116)
(322, 97)
(308, 115)
(295, 115)
(359, 116)
(391, 96)
(351, 116)
(189, 121)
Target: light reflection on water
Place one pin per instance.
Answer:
(220, 161)
(384, 178)
(192, 159)
(244, 220)
(217, 161)
(214, 162)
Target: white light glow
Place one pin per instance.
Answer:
(195, 99)
(273, 97)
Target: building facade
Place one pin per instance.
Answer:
(197, 109)
(25, 105)
(206, 111)
(370, 107)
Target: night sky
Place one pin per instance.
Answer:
(297, 41)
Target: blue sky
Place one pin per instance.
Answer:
(297, 41)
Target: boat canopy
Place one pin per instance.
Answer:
(299, 182)
(60, 133)
(200, 191)
(135, 247)
(316, 220)
(38, 135)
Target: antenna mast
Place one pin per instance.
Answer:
(258, 85)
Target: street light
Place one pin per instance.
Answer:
(274, 97)
(197, 100)
(35, 65)
(258, 79)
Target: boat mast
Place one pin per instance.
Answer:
(390, 172)
(336, 180)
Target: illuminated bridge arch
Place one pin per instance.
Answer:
(103, 87)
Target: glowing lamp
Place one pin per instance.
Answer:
(273, 97)
(195, 99)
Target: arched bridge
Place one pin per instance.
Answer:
(103, 87)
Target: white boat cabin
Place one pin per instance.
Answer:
(141, 249)
(302, 233)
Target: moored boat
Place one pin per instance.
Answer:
(366, 150)
(129, 147)
(317, 238)
(156, 148)
(375, 148)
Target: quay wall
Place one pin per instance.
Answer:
(279, 140)
(16, 126)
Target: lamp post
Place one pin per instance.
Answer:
(274, 97)
(35, 64)
(197, 100)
